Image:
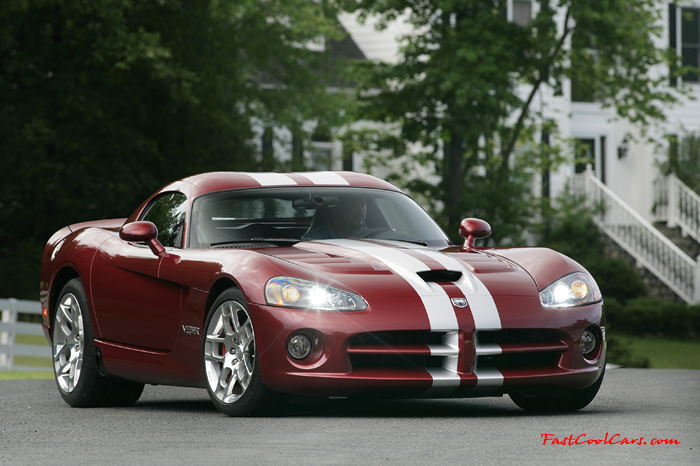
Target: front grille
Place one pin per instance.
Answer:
(519, 348)
(398, 350)
(539, 360)
(397, 338)
(509, 336)
(396, 361)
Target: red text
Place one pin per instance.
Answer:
(616, 439)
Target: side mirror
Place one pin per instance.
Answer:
(472, 228)
(142, 232)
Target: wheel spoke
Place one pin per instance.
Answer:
(229, 329)
(232, 383)
(210, 356)
(65, 307)
(64, 366)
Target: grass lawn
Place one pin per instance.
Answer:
(23, 375)
(665, 354)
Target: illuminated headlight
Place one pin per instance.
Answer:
(305, 294)
(575, 289)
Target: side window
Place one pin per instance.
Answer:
(167, 212)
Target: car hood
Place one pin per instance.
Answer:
(375, 268)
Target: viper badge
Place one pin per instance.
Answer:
(459, 302)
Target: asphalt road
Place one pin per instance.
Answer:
(179, 426)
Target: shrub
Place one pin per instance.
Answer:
(677, 319)
(641, 316)
(619, 352)
(616, 279)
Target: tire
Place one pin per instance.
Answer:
(229, 358)
(78, 378)
(573, 400)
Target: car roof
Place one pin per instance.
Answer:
(219, 181)
(196, 185)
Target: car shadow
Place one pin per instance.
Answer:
(373, 408)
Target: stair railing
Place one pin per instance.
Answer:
(640, 239)
(683, 207)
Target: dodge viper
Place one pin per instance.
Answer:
(258, 286)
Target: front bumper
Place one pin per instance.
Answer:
(363, 354)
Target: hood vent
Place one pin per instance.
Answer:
(440, 275)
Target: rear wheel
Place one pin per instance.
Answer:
(571, 401)
(74, 358)
(229, 358)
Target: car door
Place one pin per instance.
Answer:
(133, 306)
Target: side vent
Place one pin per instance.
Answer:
(440, 275)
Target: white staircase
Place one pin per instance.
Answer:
(676, 204)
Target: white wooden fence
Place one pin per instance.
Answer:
(650, 248)
(10, 328)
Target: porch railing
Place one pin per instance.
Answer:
(649, 247)
(677, 205)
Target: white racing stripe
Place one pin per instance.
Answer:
(480, 301)
(437, 303)
(484, 312)
(272, 179)
(325, 178)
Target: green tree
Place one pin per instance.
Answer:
(683, 158)
(104, 101)
(458, 90)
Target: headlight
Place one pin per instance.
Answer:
(305, 294)
(575, 289)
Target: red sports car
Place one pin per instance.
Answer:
(260, 285)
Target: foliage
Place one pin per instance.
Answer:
(620, 352)
(649, 316)
(465, 90)
(569, 227)
(104, 101)
(684, 158)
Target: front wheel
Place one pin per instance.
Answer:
(74, 358)
(572, 401)
(229, 358)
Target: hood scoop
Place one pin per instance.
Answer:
(440, 275)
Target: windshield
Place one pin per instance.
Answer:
(310, 213)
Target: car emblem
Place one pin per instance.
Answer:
(189, 330)
(460, 302)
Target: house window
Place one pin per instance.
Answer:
(684, 37)
(522, 12)
(583, 58)
(320, 155)
(584, 155)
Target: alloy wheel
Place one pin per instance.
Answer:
(229, 352)
(68, 343)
